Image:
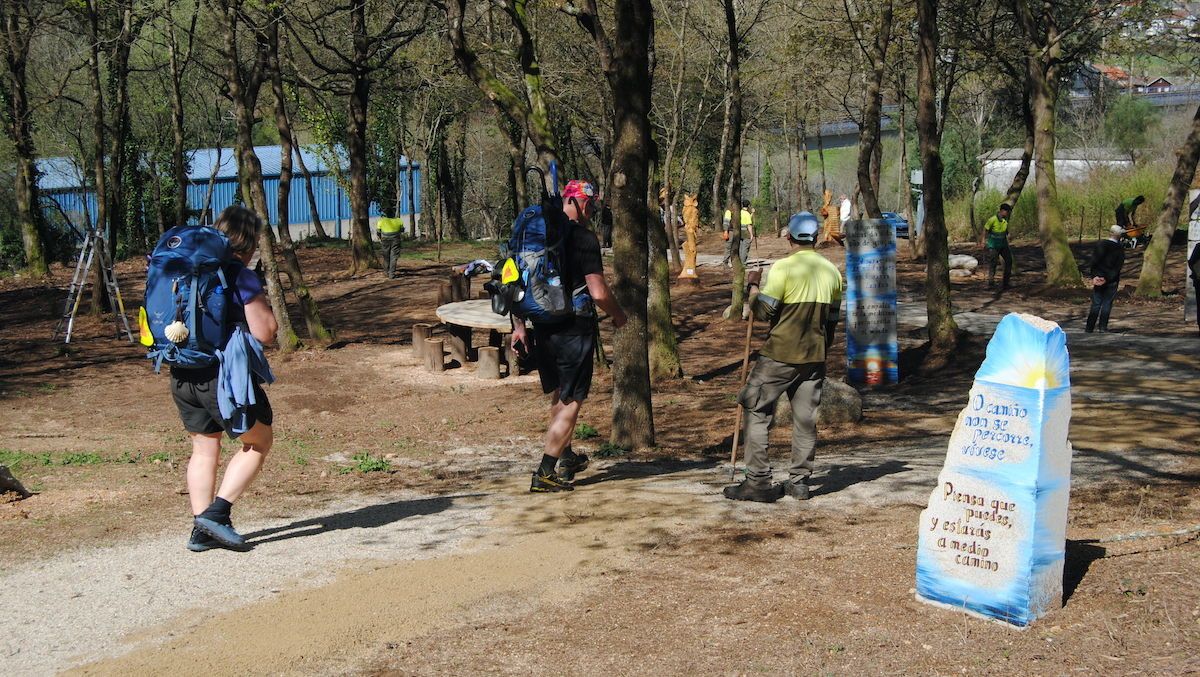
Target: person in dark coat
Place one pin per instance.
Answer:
(1194, 271)
(1107, 261)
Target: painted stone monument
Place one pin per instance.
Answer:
(872, 350)
(691, 227)
(993, 539)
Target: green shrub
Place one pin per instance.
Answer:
(610, 450)
(1094, 199)
(81, 459)
(583, 431)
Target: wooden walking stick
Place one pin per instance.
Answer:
(737, 430)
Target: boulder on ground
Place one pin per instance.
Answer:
(963, 262)
(958, 273)
(840, 403)
(9, 484)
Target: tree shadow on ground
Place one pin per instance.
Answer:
(1079, 558)
(628, 470)
(368, 517)
(841, 477)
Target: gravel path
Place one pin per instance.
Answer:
(81, 605)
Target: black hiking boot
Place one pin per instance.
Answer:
(542, 484)
(569, 465)
(754, 491)
(201, 542)
(797, 490)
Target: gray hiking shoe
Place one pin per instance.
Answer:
(797, 490)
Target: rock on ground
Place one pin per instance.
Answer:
(840, 403)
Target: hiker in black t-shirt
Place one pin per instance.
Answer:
(1107, 261)
(564, 349)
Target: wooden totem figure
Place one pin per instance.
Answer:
(691, 225)
(829, 215)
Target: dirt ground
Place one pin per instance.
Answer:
(394, 534)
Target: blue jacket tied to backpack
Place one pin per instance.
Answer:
(188, 283)
(242, 364)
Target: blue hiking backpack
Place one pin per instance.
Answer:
(187, 282)
(538, 250)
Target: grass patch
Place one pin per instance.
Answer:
(584, 431)
(314, 242)
(87, 458)
(610, 450)
(159, 457)
(365, 462)
(18, 459)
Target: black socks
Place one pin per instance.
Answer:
(547, 466)
(218, 511)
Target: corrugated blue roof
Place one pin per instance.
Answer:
(61, 173)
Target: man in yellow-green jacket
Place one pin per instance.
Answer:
(996, 229)
(389, 230)
(801, 302)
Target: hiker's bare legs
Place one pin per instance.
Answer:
(562, 425)
(202, 470)
(245, 464)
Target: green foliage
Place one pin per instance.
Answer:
(365, 462)
(765, 199)
(1095, 200)
(584, 431)
(87, 458)
(17, 459)
(610, 450)
(1130, 124)
(159, 457)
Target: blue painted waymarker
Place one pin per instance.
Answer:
(992, 541)
(872, 351)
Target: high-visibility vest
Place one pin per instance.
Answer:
(389, 226)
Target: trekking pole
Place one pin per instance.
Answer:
(737, 430)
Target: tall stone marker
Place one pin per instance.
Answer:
(993, 539)
(872, 352)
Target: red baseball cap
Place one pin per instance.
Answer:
(579, 189)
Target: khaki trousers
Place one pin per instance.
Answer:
(767, 382)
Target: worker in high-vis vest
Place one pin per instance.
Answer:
(747, 224)
(389, 229)
(800, 302)
(996, 229)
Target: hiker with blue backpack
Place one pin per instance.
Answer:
(551, 274)
(207, 318)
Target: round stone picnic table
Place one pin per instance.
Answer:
(461, 317)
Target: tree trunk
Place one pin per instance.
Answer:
(1018, 182)
(517, 196)
(633, 413)
(869, 143)
(733, 198)
(723, 155)
(317, 332)
(821, 157)
(362, 248)
(1155, 258)
(120, 208)
(1061, 269)
(18, 27)
(99, 298)
(942, 328)
(903, 191)
(313, 209)
(803, 195)
(178, 138)
(664, 349)
(243, 82)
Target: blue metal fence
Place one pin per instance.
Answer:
(333, 203)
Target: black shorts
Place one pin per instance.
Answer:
(195, 395)
(565, 362)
